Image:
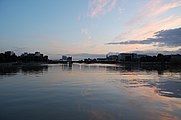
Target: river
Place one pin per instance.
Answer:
(90, 92)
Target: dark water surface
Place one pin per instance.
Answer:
(90, 92)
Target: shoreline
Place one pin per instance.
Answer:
(89, 62)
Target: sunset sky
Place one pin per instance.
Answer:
(90, 26)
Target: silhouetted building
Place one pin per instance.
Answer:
(69, 59)
(9, 53)
(112, 57)
(101, 59)
(24, 54)
(46, 57)
(127, 56)
(140, 56)
(8, 56)
(64, 58)
(38, 54)
(175, 59)
(36, 57)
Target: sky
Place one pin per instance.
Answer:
(56, 27)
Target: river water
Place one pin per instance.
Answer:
(90, 92)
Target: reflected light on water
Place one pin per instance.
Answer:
(90, 91)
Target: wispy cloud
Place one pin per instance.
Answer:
(148, 21)
(147, 30)
(152, 9)
(100, 7)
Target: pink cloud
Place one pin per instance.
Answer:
(166, 7)
(147, 23)
(100, 7)
(147, 30)
(153, 9)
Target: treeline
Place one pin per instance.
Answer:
(10, 56)
(162, 58)
(129, 57)
(158, 58)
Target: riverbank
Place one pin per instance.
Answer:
(89, 62)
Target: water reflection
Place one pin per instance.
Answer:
(169, 89)
(13, 70)
(5, 70)
(66, 67)
(159, 68)
(130, 75)
(34, 69)
(90, 91)
(134, 76)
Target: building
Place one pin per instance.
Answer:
(45, 58)
(141, 55)
(38, 54)
(101, 59)
(37, 57)
(69, 59)
(9, 53)
(127, 56)
(64, 58)
(175, 59)
(112, 57)
(24, 54)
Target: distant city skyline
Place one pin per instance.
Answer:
(90, 26)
